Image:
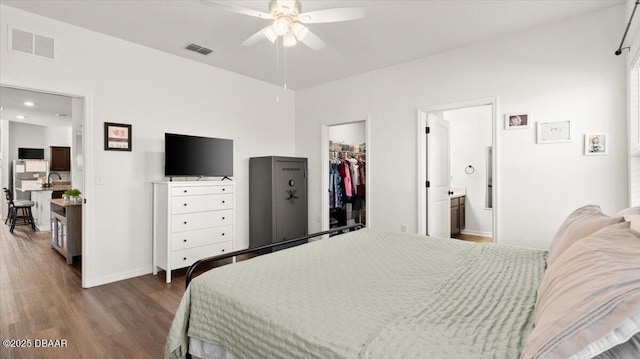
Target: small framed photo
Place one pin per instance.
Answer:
(117, 137)
(595, 144)
(519, 120)
(553, 132)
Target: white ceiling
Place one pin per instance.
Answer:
(44, 111)
(392, 32)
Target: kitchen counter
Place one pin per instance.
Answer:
(53, 188)
(65, 203)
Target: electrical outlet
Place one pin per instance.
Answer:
(404, 228)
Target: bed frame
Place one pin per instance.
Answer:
(339, 230)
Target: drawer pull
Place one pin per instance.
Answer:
(185, 204)
(222, 201)
(185, 222)
(185, 191)
(223, 250)
(184, 259)
(184, 240)
(223, 234)
(223, 218)
(224, 189)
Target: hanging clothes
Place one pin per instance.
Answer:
(353, 166)
(345, 173)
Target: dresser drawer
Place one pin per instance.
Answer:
(201, 220)
(201, 237)
(210, 202)
(200, 190)
(186, 257)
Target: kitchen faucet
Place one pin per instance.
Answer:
(49, 178)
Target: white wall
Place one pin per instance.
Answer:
(156, 93)
(471, 132)
(564, 70)
(349, 133)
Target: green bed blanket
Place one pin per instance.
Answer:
(366, 294)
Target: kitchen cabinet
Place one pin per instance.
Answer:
(60, 158)
(457, 215)
(66, 228)
(41, 209)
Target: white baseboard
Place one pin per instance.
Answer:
(477, 233)
(94, 282)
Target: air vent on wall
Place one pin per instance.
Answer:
(198, 48)
(30, 43)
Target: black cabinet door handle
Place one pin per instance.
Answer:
(185, 204)
(185, 222)
(185, 191)
(223, 234)
(184, 240)
(223, 250)
(184, 259)
(222, 201)
(224, 189)
(223, 218)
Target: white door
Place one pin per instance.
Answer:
(438, 202)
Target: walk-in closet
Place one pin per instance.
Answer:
(347, 174)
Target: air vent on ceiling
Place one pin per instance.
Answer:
(30, 43)
(198, 48)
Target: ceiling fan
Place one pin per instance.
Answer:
(288, 21)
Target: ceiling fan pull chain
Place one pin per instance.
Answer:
(285, 66)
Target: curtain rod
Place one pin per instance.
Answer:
(620, 48)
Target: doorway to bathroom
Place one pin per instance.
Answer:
(457, 153)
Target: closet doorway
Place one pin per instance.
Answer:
(345, 173)
(457, 155)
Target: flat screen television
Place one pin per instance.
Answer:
(197, 156)
(30, 153)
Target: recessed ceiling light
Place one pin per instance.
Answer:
(29, 103)
(21, 117)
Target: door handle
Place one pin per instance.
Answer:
(450, 193)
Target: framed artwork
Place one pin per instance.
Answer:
(117, 137)
(518, 120)
(595, 144)
(553, 132)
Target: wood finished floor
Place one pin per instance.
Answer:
(41, 298)
(471, 238)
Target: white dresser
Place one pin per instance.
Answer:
(191, 220)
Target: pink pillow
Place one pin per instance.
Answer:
(580, 223)
(587, 293)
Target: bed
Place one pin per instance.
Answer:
(379, 294)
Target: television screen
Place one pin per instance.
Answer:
(30, 153)
(197, 156)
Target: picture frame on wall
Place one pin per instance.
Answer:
(595, 144)
(553, 132)
(117, 137)
(517, 120)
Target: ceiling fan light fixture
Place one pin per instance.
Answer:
(300, 31)
(281, 26)
(270, 34)
(289, 39)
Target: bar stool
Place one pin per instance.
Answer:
(19, 205)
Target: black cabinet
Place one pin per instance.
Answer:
(457, 215)
(277, 199)
(60, 159)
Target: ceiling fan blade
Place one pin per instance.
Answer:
(224, 5)
(313, 41)
(255, 38)
(331, 15)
